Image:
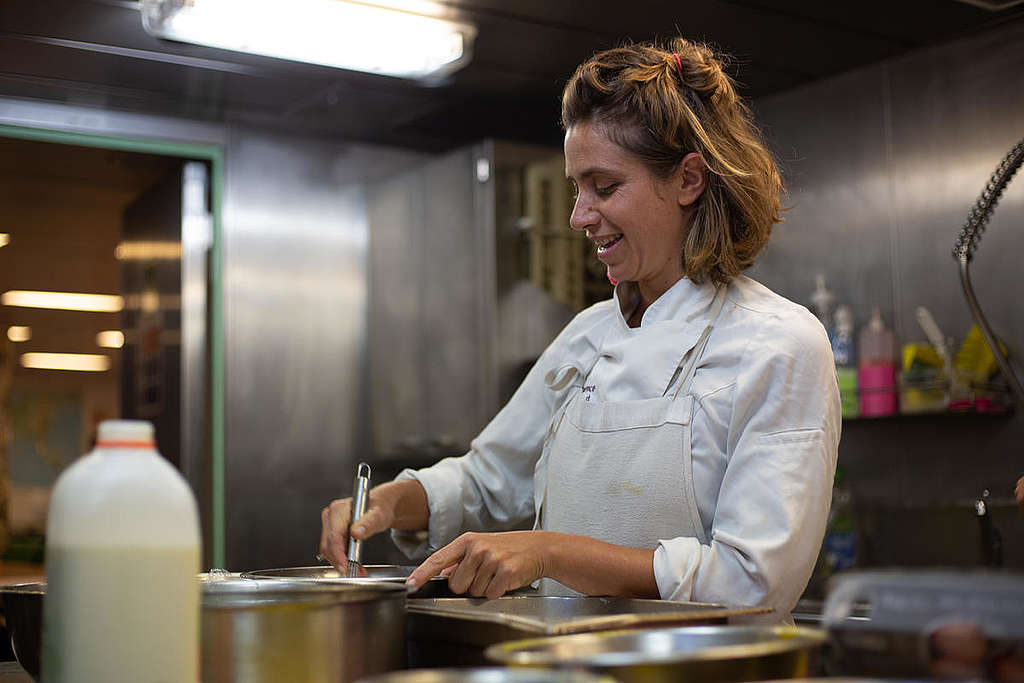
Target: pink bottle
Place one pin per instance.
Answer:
(876, 373)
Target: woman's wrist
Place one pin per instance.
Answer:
(408, 501)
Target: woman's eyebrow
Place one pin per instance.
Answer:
(587, 172)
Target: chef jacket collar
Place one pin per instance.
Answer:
(683, 300)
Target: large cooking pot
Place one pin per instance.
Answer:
(262, 631)
(368, 574)
(694, 653)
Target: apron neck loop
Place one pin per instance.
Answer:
(688, 365)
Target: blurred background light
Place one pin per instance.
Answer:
(349, 35)
(5, 239)
(80, 362)
(110, 339)
(148, 251)
(19, 333)
(67, 301)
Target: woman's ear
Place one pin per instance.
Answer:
(690, 178)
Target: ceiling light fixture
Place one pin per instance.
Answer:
(80, 362)
(348, 35)
(65, 301)
(19, 333)
(110, 339)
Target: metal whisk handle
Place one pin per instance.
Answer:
(360, 497)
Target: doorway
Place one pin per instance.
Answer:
(136, 227)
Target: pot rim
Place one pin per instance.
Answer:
(787, 639)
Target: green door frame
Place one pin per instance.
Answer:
(214, 155)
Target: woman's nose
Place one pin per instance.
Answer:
(583, 215)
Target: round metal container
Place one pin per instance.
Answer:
(695, 653)
(262, 631)
(255, 631)
(489, 675)
(437, 587)
(23, 613)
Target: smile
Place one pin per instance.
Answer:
(607, 243)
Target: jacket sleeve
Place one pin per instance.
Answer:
(782, 445)
(490, 488)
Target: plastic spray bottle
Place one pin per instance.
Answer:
(844, 352)
(821, 301)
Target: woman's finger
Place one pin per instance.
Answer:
(447, 556)
(464, 575)
(335, 534)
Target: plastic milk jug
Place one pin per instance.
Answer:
(122, 554)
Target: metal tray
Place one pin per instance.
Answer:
(456, 631)
(374, 573)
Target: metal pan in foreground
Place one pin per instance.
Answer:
(697, 653)
(489, 675)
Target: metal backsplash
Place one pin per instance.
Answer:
(296, 249)
(883, 165)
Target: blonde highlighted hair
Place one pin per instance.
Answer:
(662, 103)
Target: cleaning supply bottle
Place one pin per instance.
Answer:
(821, 302)
(122, 555)
(877, 367)
(844, 352)
(840, 544)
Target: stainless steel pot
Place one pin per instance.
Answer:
(270, 631)
(696, 653)
(261, 631)
(370, 574)
(23, 613)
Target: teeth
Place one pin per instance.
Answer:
(605, 243)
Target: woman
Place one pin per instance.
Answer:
(678, 440)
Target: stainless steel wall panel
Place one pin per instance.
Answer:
(956, 112)
(296, 239)
(432, 307)
(830, 140)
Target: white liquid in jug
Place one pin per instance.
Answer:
(121, 613)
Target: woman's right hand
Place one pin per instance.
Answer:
(398, 505)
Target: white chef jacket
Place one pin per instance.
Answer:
(765, 437)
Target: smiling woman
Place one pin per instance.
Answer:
(677, 441)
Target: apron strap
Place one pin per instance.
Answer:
(688, 365)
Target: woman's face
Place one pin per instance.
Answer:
(635, 219)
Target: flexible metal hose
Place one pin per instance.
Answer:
(967, 243)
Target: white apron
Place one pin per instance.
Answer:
(621, 471)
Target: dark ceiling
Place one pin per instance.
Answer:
(95, 52)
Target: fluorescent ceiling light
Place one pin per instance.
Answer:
(148, 251)
(110, 339)
(19, 333)
(347, 35)
(5, 239)
(80, 362)
(65, 301)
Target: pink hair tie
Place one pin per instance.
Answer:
(679, 63)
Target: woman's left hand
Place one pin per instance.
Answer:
(486, 564)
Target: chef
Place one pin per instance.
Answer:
(678, 440)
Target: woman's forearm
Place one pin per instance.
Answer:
(594, 567)
(409, 504)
